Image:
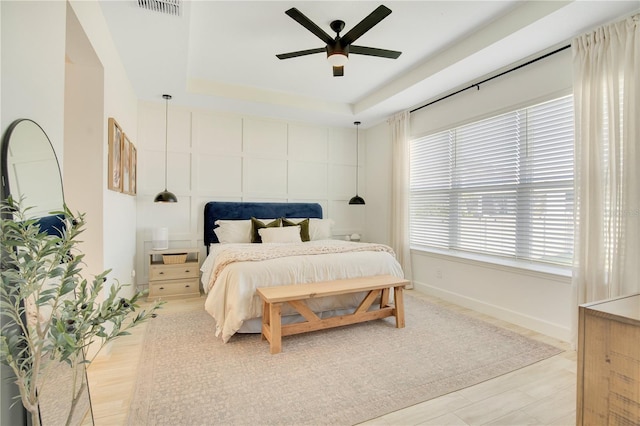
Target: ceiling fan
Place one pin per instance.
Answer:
(338, 48)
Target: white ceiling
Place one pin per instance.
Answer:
(221, 54)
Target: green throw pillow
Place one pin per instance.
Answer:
(304, 228)
(257, 224)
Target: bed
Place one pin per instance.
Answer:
(235, 267)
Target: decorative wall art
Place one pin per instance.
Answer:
(133, 169)
(124, 176)
(122, 172)
(115, 155)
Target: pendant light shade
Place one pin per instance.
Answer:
(357, 200)
(166, 196)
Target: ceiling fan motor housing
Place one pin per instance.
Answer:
(337, 49)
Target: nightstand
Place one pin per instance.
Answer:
(172, 280)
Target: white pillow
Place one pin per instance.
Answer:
(290, 234)
(319, 229)
(233, 231)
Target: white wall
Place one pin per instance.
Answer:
(33, 45)
(378, 180)
(540, 81)
(84, 109)
(216, 156)
(32, 86)
(117, 224)
(537, 300)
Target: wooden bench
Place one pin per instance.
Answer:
(296, 294)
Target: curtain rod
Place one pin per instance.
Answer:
(491, 78)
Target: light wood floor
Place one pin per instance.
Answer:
(541, 394)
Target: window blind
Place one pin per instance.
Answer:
(501, 187)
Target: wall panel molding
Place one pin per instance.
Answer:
(228, 157)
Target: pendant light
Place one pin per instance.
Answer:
(166, 196)
(357, 199)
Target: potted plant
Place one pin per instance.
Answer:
(50, 313)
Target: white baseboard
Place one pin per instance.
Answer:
(536, 324)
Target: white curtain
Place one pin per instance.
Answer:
(606, 72)
(399, 125)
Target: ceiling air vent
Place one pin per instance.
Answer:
(168, 7)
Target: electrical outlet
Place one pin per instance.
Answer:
(133, 273)
(439, 273)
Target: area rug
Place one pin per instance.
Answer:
(340, 376)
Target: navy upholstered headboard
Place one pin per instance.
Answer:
(52, 225)
(233, 210)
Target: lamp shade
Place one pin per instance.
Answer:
(165, 197)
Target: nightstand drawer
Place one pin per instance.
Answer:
(183, 288)
(172, 272)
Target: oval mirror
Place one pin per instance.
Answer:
(31, 173)
(30, 169)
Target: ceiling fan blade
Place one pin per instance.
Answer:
(308, 24)
(301, 53)
(338, 71)
(366, 24)
(372, 51)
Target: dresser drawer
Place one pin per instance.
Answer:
(172, 272)
(189, 287)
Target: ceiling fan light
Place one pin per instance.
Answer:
(338, 59)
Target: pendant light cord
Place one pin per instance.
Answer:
(166, 196)
(357, 123)
(166, 137)
(357, 200)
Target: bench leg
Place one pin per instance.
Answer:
(384, 298)
(265, 319)
(275, 326)
(399, 302)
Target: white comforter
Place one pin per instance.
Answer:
(232, 297)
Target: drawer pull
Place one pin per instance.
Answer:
(187, 270)
(161, 273)
(187, 286)
(161, 288)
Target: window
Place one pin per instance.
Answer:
(500, 187)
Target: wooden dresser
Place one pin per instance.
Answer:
(609, 362)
